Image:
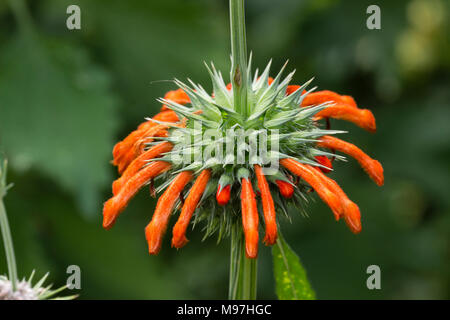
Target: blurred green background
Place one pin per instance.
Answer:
(67, 96)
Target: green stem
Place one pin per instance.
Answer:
(6, 232)
(243, 271)
(239, 56)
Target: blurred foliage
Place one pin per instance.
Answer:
(67, 96)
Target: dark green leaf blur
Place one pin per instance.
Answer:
(67, 96)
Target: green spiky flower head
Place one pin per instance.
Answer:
(219, 137)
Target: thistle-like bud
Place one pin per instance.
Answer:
(25, 290)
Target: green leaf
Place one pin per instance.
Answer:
(57, 114)
(290, 276)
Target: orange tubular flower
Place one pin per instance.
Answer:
(157, 227)
(114, 206)
(223, 195)
(310, 176)
(125, 151)
(286, 189)
(139, 162)
(166, 116)
(350, 210)
(189, 206)
(177, 96)
(344, 108)
(326, 162)
(138, 147)
(291, 89)
(361, 117)
(319, 97)
(349, 100)
(250, 219)
(268, 207)
(372, 167)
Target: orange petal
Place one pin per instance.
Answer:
(147, 137)
(351, 213)
(125, 160)
(361, 117)
(140, 162)
(291, 89)
(190, 204)
(121, 153)
(122, 147)
(268, 207)
(325, 161)
(177, 96)
(138, 147)
(250, 219)
(223, 195)
(155, 230)
(286, 189)
(146, 125)
(349, 100)
(372, 167)
(309, 175)
(114, 206)
(167, 116)
(320, 97)
(352, 217)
